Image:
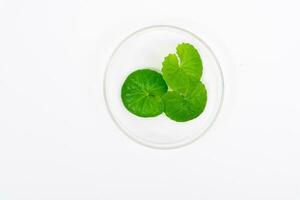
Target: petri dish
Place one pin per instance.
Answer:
(146, 48)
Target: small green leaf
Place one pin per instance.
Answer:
(178, 73)
(141, 93)
(184, 107)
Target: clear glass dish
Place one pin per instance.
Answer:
(146, 48)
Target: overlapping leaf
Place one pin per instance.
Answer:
(145, 92)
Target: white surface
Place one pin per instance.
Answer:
(57, 140)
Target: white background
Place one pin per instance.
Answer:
(57, 140)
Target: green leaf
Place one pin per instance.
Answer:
(142, 93)
(178, 73)
(184, 107)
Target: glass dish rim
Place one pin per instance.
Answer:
(174, 145)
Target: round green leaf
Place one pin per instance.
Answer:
(178, 73)
(142, 93)
(184, 107)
